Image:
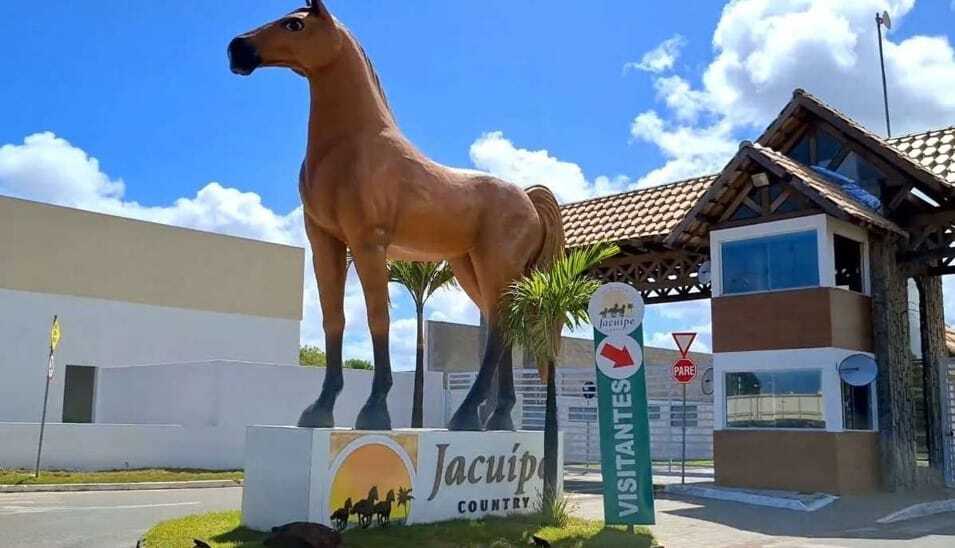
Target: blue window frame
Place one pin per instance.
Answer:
(771, 262)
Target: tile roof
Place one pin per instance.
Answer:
(654, 212)
(644, 213)
(933, 150)
(805, 100)
(824, 189)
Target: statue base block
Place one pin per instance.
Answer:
(352, 478)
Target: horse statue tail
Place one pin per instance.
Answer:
(548, 210)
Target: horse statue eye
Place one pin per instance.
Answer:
(294, 25)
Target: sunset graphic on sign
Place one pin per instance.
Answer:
(371, 467)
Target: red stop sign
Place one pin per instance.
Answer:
(684, 370)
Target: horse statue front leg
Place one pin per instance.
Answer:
(373, 273)
(328, 260)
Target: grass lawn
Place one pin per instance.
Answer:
(24, 477)
(222, 530)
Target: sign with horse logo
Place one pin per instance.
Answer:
(616, 312)
(347, 479)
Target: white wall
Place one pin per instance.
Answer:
(107, 333)
(222, 394)
(195, 415)
(826, 360)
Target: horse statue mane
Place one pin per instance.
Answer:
(367, 189)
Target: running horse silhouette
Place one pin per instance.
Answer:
(365, 508)
(366, 188)
(340, 517)
(383, 509)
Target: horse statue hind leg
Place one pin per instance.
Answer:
(506, 252)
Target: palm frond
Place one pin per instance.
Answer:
(421, 279)
(536, 308)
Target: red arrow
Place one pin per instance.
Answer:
(619, 356)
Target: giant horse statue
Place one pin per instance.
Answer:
(367, 189)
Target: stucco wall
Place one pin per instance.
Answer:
(104, 333)
(65, 251)
(225, 394)
(195, 415)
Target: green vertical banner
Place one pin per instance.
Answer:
(616, 312)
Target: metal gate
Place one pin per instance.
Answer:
(949, 419)
(577, 415)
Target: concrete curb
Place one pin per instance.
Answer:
(819, 501)
(920, 510)
(144, 486)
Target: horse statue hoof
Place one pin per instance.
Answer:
(373, 416)
(465, 420)
(500, 421)
(316, 416)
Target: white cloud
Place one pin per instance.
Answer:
(495, 153)
(660, 58)
(764, 49)
(690, 151)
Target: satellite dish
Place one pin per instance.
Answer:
(704, 274)
(858, 370)
(706, 386)
(886, 20)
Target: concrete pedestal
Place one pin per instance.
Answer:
(399, 476)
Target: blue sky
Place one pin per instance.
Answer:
(588, 97)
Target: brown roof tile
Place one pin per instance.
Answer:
(654, 212)
(643, 213)
(933, 150)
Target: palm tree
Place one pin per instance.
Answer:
(535, 309)
(421, 280)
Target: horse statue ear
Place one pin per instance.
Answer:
(316, 6)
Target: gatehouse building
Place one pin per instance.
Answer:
(817, 241)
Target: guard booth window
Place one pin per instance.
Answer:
(78, 390)
(848, 262)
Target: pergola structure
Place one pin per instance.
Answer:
(663, 233)
(639, 222)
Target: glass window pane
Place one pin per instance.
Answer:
(793, 260)
(827, 147)
(801, 152)
(862, 173)
(774, 262)
(745, 266)
(778, 399)
(743, 212)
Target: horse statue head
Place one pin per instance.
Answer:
(305, 40)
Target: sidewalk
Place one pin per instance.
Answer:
(850, 521)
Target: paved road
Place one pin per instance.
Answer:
(116, 519)
(109, 519)
(691, 523)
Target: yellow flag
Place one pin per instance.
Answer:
(55, 333)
